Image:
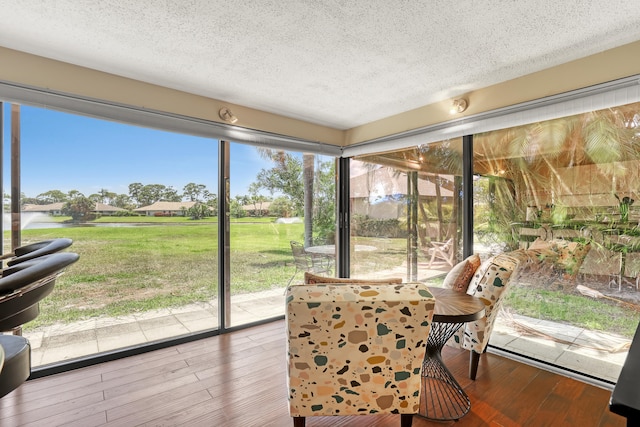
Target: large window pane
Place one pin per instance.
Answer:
(140, 206)
(561, 195)
(405, 212)
(277, 197)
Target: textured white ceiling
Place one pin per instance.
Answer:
(338, 63)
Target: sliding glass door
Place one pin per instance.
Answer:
(140, 206)
(406, 212)
(560, 195)
(279, 200)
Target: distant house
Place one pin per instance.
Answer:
(51, 209)
(165, 208)
(257, 208)
(382, 193)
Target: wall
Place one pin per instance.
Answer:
(36, 71)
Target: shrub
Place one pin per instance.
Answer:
(365, 226)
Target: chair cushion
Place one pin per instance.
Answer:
(312, 279)
(460, 275)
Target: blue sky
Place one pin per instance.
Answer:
(62, 151)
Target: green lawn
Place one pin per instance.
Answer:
(171, 263)
(131, 269)
(578, 310)
(174, 261)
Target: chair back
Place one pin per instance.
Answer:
(22, 286)
(38, 249)
(312, 279)
(490, 283)
(356, 348)
(301, 258)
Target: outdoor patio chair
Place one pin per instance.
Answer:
(305, 261)
(441, 250)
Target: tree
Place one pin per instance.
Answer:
(194, 192)
(145, 195)
(286, 178)
(24, 200)
(242, 199)
(122, 201)
(235, 208)
(199, 211)
(135, 189)
(256, 199)
(72, 194)
(170, 194)
(151, 193)
(324, 216)
(106, 196)
(282, 207)
(211, 199)
(80, 209)
(295, 178)
(308, 174)
(95, 197)
(51, 196)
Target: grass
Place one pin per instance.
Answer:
(123, 270)
(166, 219)
(559, 306)
(132, 269)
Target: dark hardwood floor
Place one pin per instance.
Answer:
(239, 380)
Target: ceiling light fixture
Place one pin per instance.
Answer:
(458, 106)
(226, 115)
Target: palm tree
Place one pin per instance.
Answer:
(308, 175)
(308, 161)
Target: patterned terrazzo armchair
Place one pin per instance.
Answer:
(356, 349)
(489, 283)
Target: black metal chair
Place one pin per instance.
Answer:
(21, 288)
(305, 261)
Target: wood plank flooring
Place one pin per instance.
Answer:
(239, 380)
